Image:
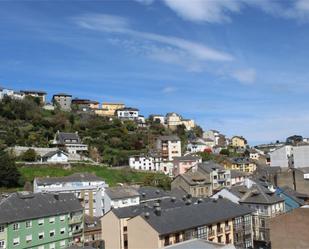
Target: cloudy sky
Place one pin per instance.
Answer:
(237, 66)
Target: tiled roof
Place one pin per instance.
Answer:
(26, 206)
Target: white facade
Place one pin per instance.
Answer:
(225, 193)
(58, 157)
(91, 191)
(75, 148)
(301, 156)
(199, 145)
(167, 168)
(159, 118)
(120, 203)
(128, 113)
(144, 162)
(280, 157)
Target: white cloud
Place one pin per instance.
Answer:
(169, 89)
(146, 2)
(245, 75)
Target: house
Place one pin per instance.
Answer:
(147, 162)
(88, 188)
(282, 156)
(62, 100)
(55, 157)
(118, 197)
(85, 105)
(265, 203)
(169, 147)
(243, 164)
(203, 179)
(127, 113)
(188, 123)
(111, 108)
(71, 142)
(238, 177)
(40, 220)
(199, 145)
(183, 163)
(173, 120)
(4, 92)
(290, 230)
(158, 119)
(216, 138)
(219, 221)
(292, 198)
(36, 94)
(238, 142)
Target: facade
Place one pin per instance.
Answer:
(184, 163)
(292, 198)
(149, 162)
(242, 164)
(200, 145)
(127, 113)
(36, 94)
(158, 119)
(281, 157)
(63, 100)
(238, 177)
(29, 220)
(4, 92)
(290, 230)
(71, 142)
(238, 142)
(173, 120)
(92, 231)
(209, 220)
(88, 188)
(85, 105)
(111, 108)
(301, 156)
(218, 139)
(169, 147)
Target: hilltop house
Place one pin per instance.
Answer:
(63, 100)
(36, 94)
(71, 142)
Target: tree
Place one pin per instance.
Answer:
(225, 152)
(9, 174)
(29, 155)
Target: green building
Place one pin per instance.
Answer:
(40, 221)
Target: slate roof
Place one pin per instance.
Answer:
(190, 216)
(210, 166)
(51, 153)
(63, 136)
(199, 244)
(151, 193)
(119, 192)
(76, 177)
(26, 206)
(33, 91)
(62, 94)
(240, 160)
(296, 196)
(128, 109)
(195, 177)
(237, 173)
(186, 158)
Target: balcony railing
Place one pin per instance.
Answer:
(211, 233)
(219, 230)
(227, 228)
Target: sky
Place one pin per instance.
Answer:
(237, 66)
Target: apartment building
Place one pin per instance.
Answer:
(63, 100)
(145, 162)
(111, 108)
(238, 142)
(242, 164)
(203, 179)
(173, 120)
(71, 142)
(88, 188)
(40, 220)
(169, 147)
(220, 221)
(282, 156)
(127, 113)
(265, 203)
(183, 163)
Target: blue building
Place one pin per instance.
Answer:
(292, 199)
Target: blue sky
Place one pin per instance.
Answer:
(237, 66)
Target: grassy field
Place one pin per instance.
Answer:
(110, 175)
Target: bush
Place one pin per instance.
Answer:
(29, 156)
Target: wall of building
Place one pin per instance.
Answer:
(279, 157)
(290, 230)
(301, 156)
(111, 231)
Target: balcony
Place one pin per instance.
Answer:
(211, 233)
(219, 230)
(76, 219)
(227, 229)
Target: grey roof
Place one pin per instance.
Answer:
(187, 158)
(33, 91)
(51, 153)
(195, 177)
(27, 206)
(199, 244)
(62, 94)
(63, 136)
(118, 192)
(128, 109)
(151, 193)
(76, 177)
(210, 166)
(169, 138)
(296, 196)
(237, 173)
(240, 160)
(260, 195)
(194, 215)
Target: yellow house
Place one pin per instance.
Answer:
(111, 108)
(242, 164)
(238, 142)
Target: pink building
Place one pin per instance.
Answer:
(183, 163)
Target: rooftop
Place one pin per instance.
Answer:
(169, 138)
(25, 206)
(199, 244)
(76, 177)
(120, 192)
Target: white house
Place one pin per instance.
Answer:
(128, 113)
(198, 145)
(56, 157)
(71, 142)
(88, 188)
(158, 118)
(148, 162)
(118, 197)
(169, 147)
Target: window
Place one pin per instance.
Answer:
(28, 223)
(62, 230)
(201, 232)
(52, 246)
(16, 242)
(41, 222)
(166, 240)
(2, 244)
(52, 233)
(1, 229)
(62, 243)
(15, 226)
(28, 238)
(41, 235)
(52, 220)
(41, 247)
(62, 217)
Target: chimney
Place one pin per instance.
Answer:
(56, 196)
(157, 211)
(173, 199)
(188, 202)
(147, 215)
(143, 195)
(199, 201)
